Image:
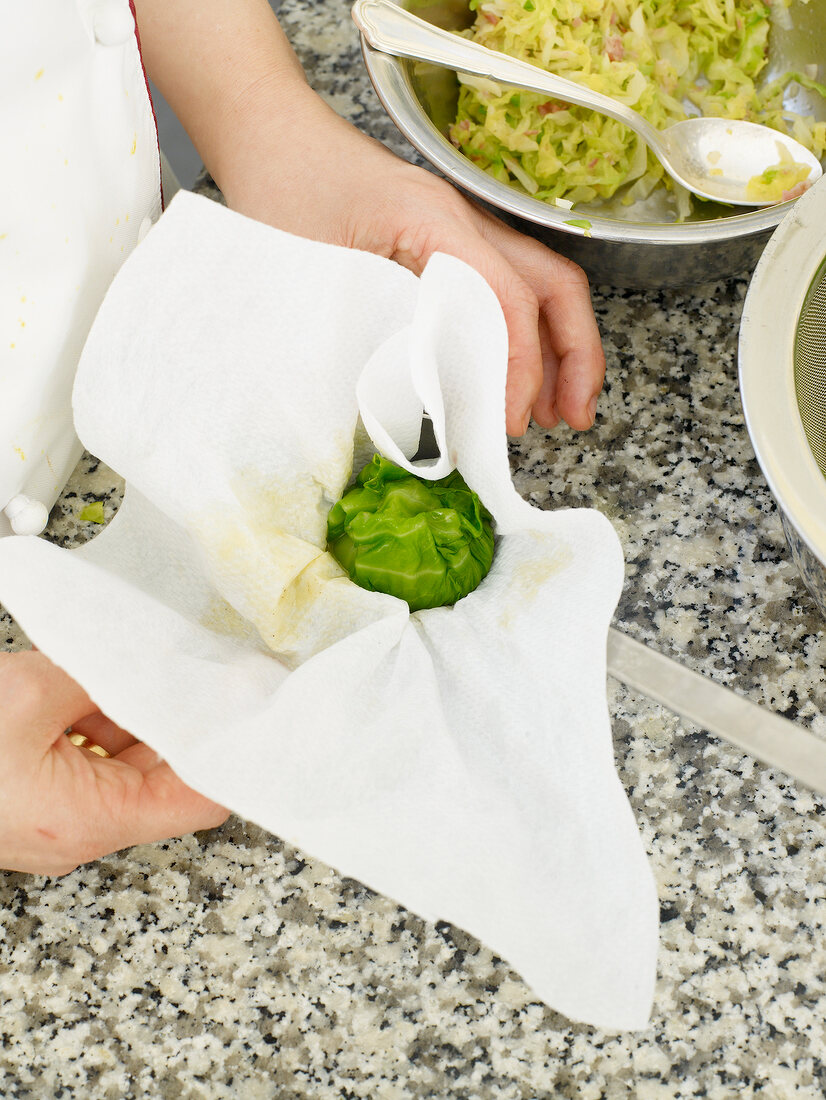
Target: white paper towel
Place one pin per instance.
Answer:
(459, 759)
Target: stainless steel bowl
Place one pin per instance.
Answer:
(635, 246)
(782, 357)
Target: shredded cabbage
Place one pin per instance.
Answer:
(665, 58)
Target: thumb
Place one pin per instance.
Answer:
(159, 804)
(40, 701)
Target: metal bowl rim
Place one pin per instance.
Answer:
(391, 81)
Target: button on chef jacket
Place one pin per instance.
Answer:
(80, 186)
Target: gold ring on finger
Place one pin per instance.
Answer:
(83, 742)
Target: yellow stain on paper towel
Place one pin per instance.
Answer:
(529, 577)
(221, 618)
(256, 564)
(267, 557)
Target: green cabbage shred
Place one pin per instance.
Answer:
(93, 512)
(657, 56)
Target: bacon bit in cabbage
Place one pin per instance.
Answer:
(780, 180)
(796, 191)
(614, 48)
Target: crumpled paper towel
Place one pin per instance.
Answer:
(459, 759)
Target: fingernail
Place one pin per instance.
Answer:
(522, 423)
(592, 408)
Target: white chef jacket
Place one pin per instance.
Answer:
(79, 187)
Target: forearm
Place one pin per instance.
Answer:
(281, 155)
(228, 72)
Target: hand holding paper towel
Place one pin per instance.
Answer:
(458, 759)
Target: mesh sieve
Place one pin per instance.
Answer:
(810, 366)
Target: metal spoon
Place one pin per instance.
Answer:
(713, 157)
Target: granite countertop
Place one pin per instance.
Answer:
(228, 964)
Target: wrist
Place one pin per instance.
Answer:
(258, 131)
(295, 164)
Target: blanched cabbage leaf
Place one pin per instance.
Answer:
(426, 542)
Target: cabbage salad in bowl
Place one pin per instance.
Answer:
(668, 59)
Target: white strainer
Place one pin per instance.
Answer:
(783, 379)
(810, 365)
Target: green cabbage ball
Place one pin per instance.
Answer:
(426, 542)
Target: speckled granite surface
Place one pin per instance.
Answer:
(228, 965)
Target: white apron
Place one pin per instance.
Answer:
(79, 187)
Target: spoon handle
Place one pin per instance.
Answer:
(391, 29)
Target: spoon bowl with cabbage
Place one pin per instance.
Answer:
(725, 160)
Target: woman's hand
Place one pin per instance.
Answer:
(61, 805)
(344, 188)
(282, 156)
